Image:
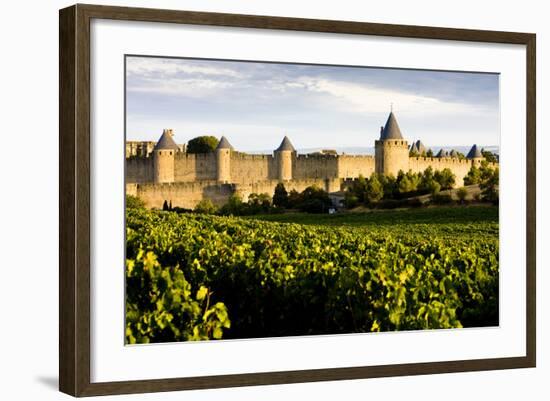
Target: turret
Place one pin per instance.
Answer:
(391, 151)
(475, 155)
(163, 158)
(283, 156)
(223, 160)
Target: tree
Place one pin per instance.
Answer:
(445, 178)
(473, 177)
(294, 199)
(205, 206)
(433, 187)
(133, 202)
(202, 144)
(257, 203)
(165, 205)
(405, 185)
(461, 193)
(234, 206)
(489, 187)
(430, 153)
(280, 196)
(389, 185)
(350, 199)
(489, 156)
(375, 190)
(314, 200)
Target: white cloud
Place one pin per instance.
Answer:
(192, 87)
(149, 66)
(361, 98)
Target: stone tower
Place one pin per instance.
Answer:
(475, 155)
(283, 156)
(223, 160)
(164, 153)
(391, 151)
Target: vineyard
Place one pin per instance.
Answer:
(198, 277)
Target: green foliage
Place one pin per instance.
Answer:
(473, 177)
(280, 196)
(489, 186)
(293, 199)
(430, 153)
(234, 206)
(133, 202)
(374, 190)
(198, 276)
(488, 178)
(205, 206)
(462, 193)
(445, 178)
(202, 144)
(314, 200)
(161, 305)
(489, 156)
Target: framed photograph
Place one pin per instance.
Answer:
(249, 200)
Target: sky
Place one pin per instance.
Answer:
(255, 104)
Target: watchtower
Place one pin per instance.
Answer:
(164, 153)
(283, 156)
(223, 160)
(391, 150)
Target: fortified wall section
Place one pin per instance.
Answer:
(315, 166)
(459, 167)
(189, 194)
(181, 194)
(139, 169)
(350, 166)
(190, 167)
(251, 168)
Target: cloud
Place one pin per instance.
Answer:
(190, 87)
(151, 67)
(362, 98)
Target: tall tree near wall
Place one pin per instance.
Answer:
(202, 144)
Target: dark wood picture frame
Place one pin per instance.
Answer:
(74, 199)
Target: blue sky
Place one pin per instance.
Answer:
(255, 104)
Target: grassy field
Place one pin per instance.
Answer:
(474, 220)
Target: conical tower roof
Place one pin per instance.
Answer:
(442, 153)
(474, 153)
(453, 153)
(224, 144)
(391, 129)
(420, 148)
(166, 141)
(285, 145)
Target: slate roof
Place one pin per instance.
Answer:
(285, 145)
(391, 129)
(166, 141)
(442, 153)
(474, 153)
(224, 144)
(420, 148)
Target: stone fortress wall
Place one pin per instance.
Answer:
(168, 173)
